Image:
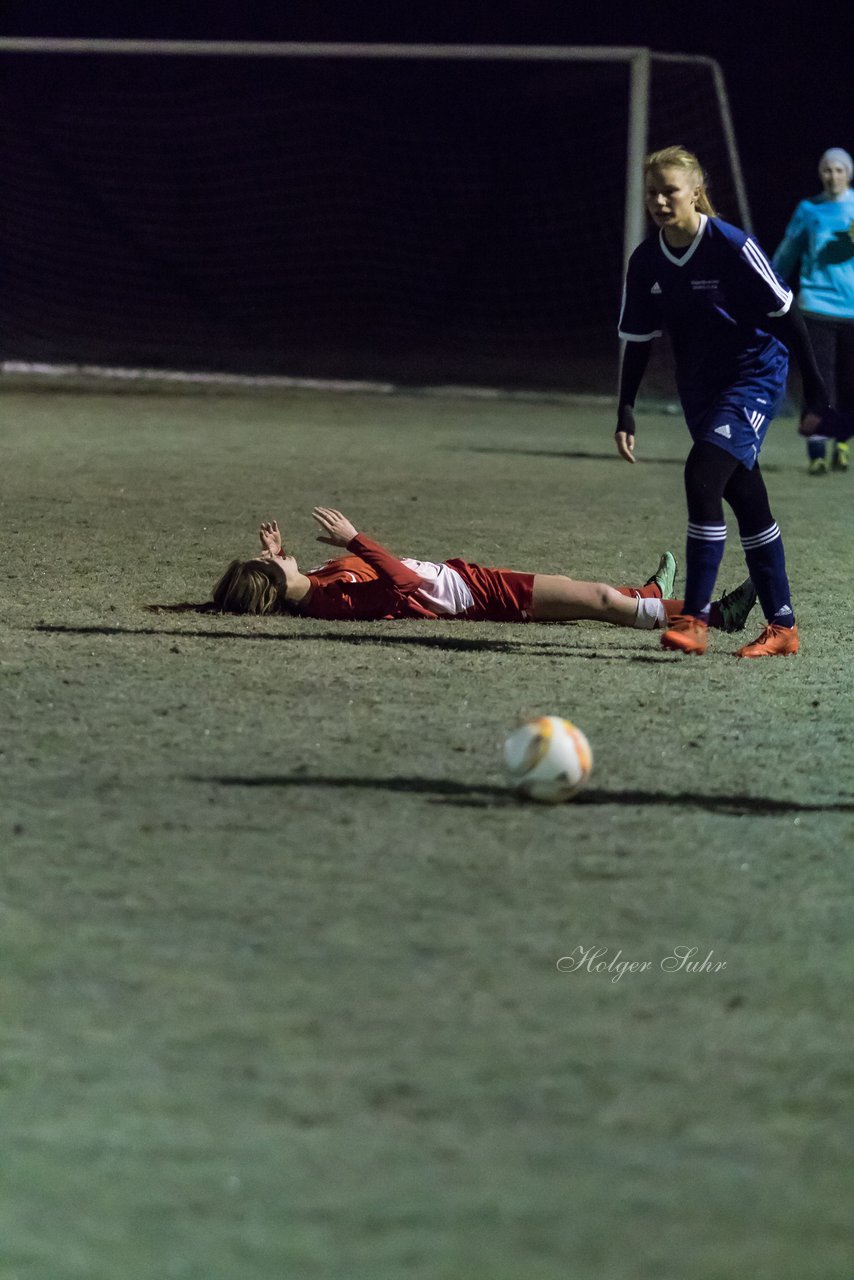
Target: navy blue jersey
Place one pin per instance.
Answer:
(713, 301)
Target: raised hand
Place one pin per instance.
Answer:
(271, 539)
(339, 530)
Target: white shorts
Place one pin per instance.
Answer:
(444, 591)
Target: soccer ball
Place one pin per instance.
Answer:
(548, 759)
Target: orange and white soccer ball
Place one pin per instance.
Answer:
(548, 759)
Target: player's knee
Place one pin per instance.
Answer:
(597, 597)
(604, 596)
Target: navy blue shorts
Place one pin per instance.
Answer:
(738, 423)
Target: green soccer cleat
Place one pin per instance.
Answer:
(840, 456)
(665, 575)
(817, 467)
(733, 608)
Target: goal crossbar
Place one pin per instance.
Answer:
(331, 49)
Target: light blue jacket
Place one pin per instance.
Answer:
(818, 249)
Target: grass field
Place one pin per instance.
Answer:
(280, 995)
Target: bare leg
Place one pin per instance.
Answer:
(559, 599)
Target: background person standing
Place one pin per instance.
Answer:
(818, 251)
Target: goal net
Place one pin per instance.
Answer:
(454, 216)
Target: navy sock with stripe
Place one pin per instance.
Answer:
(766, 561)
(704, 551)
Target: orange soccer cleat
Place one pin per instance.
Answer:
(774, 640)
(685, 634)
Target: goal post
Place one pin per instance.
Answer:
(393, 213)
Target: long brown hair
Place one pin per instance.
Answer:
(246, 587)
(680, 158)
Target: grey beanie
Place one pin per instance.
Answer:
(836, 155)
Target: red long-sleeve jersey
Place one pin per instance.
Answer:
(390, 595)
(343, 568)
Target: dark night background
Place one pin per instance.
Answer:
(790, 92)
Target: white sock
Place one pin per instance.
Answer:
(650, 614)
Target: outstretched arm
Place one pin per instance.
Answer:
(385, 596)
(635, 360)
(342, 533)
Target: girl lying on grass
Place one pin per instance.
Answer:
(369, 583)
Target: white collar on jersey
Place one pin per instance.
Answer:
(692, 247)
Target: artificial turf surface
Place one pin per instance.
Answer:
(280, 995)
